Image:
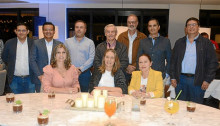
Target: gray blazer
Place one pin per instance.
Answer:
(39, 58)
(9, 56)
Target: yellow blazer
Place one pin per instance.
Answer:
(154, 83)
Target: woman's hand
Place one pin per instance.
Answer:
(73, 90)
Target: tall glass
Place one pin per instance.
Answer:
(110, 108)
(172, 107)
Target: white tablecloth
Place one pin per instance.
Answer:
(152, 114)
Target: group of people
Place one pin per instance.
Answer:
(133, 64)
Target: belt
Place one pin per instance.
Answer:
(22, 76)
(188, 75)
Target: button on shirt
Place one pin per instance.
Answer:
(49, 46)
(131, 40)
(189, 60)
(22, 62)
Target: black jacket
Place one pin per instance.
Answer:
(206, 60)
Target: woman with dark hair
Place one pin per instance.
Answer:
(60, 76)
(146, 82)
(109, 76)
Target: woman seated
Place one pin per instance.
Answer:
(109, 76)
(60, 76)
(146, 82)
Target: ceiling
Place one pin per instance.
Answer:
(202, 2)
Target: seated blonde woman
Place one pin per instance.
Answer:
(146, 82)
(109, 76)
(60, 76)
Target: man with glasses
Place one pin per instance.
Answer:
(131, 38)
(16, 56)
(41, 53)
(158, 47)
(193, 63)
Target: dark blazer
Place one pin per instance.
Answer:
(119, 80)
(39, 58)
(206, 60)
(120, 49)
(159, 52)
(9, 56)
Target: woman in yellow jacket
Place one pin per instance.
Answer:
(146, 82)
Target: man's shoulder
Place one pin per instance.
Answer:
(123, 34)
(141, 35)
(11, 41)
(69, 40)
(57, 41)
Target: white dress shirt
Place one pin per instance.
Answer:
(22, 62)
(131, 40)
(49, 46)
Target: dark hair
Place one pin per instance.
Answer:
(151, 19)
(67, 62)
(204, 33)
(116, 65)
(48, 23)
(21, 23)
(146, 56)
(194, 19)
(81, 22)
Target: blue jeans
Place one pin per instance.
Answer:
(22, 85)
(190, 92)
(84, 80)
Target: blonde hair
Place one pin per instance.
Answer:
(116, 65)
(67, 62)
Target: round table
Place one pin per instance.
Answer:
(151, 114)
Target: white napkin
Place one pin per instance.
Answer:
(172, 91)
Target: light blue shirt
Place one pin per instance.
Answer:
(189, 60)
(82, 53)
(153, 39)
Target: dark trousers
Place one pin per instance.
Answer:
(84, 80)
(190, 92)
(211, 101)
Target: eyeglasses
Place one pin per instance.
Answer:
(131, 22)
(192, 25)
(21, 31)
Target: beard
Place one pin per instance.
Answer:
(132, 28)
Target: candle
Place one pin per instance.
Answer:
(96, 93)
(84, 97)
(78, 103)
(101, 101)
(105, 93)
(90, 103)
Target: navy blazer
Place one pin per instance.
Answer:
(9, 56)
(39, 58)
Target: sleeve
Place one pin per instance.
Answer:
(158, 93)
(211, 63)
(133, 84)
(5, 53)
(120, 38)
(173, 62)
(1, 49)
(93, 80)
(89, 62)
(124, 57)
(47, 78)
(168, 56)
(121, 82)
(75, 77)
(33, 60)
(98, 57)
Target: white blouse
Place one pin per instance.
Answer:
(107, 80)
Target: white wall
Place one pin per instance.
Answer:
(179, 13)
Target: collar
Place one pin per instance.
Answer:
(21, 42)
(155, 37)
(77, 40)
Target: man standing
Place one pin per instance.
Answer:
(16, 56)
(82, 52)
(111, 43)
(41, 53)
(193, 63)
(158, 47)
(131, 38)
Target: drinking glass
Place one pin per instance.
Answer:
(172, 107)
(110, 108)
